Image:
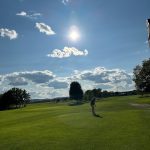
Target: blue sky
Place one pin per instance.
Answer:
(113, 33)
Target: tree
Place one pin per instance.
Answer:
(14, 97)
(142, 77)
(89, 94)
(97, 92)
(6, 100)
(75, 91)
(105, 93)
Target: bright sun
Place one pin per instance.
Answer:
(74, 33)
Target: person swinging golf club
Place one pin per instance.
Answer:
(93, 105)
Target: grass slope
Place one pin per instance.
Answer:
(48, 126)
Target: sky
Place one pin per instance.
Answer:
(47, 44)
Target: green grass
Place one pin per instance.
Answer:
(48, 126)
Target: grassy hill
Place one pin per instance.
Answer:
(125, 126)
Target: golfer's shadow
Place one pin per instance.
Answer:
(96, 115)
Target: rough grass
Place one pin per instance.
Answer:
(48, 126)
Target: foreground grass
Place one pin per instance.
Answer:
(48, 126)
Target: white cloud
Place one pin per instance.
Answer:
(36, 14)
(42, 27)
(65, 2)
(22, 13)
(31, 15)
(22, 78)
(67, 52)
(109, 79)
(11, 34)
(45, 84)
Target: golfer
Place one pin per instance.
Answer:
(93, 105)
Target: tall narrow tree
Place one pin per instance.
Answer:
(75, 91)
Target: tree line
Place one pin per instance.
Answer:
(77, 93)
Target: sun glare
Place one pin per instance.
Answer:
(74, 33)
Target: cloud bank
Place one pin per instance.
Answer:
(67, 52)
(11, 34)
(109, 79)
(42, 27)
(45, 84)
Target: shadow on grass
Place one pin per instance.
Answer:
(11, 108)
(96, 115)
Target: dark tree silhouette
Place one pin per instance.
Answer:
(89, 94)
(75, 91)
(98, 93)
(14, 97)
(142, 77)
